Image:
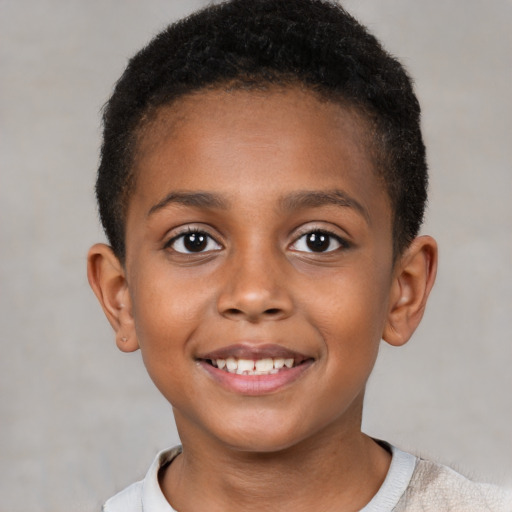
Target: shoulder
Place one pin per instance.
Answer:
(435, 488)
(145, 495)
(128, 500)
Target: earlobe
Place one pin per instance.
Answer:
(414, 277)
(108, 281)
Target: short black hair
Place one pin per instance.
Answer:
(256, 43)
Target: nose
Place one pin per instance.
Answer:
(255, 289)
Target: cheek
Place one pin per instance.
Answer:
(350, 314)
(167, 308)
(351, 305)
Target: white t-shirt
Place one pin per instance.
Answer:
(411, 485)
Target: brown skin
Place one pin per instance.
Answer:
(300, 447)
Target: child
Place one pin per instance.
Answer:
(262, 183)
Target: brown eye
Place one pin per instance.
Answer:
(193, 242)
(318, 241)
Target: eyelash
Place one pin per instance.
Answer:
(204, 240)
(343, 244)
(192, 232)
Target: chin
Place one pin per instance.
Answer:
(263, 438)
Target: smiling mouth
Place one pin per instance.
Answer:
(263, 366)
(255, 370)
(243, 359)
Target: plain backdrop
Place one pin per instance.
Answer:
(79, 420)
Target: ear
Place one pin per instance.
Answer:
(108, 280)
(414, 276)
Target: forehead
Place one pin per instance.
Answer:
(254, 112)
(243, 141)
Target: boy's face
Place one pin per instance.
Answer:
(259, 231)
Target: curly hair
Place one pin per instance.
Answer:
(312, 43)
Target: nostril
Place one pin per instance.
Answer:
(236, 313)
(233, 312)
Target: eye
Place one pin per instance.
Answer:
(193, 242)
(318, 241)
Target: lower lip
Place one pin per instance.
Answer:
(254, 385)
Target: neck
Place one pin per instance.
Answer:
(340, 470)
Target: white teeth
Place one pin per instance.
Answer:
(264, 365)
(231, 363)
(278, 363)
(245, 365)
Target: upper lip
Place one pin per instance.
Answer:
(250, 351)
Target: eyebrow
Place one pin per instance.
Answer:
(316, 198)
(294, 201)
(195, 199)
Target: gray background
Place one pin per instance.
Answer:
(79, 420)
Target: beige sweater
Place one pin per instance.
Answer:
(411, 485)
(436, 488)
